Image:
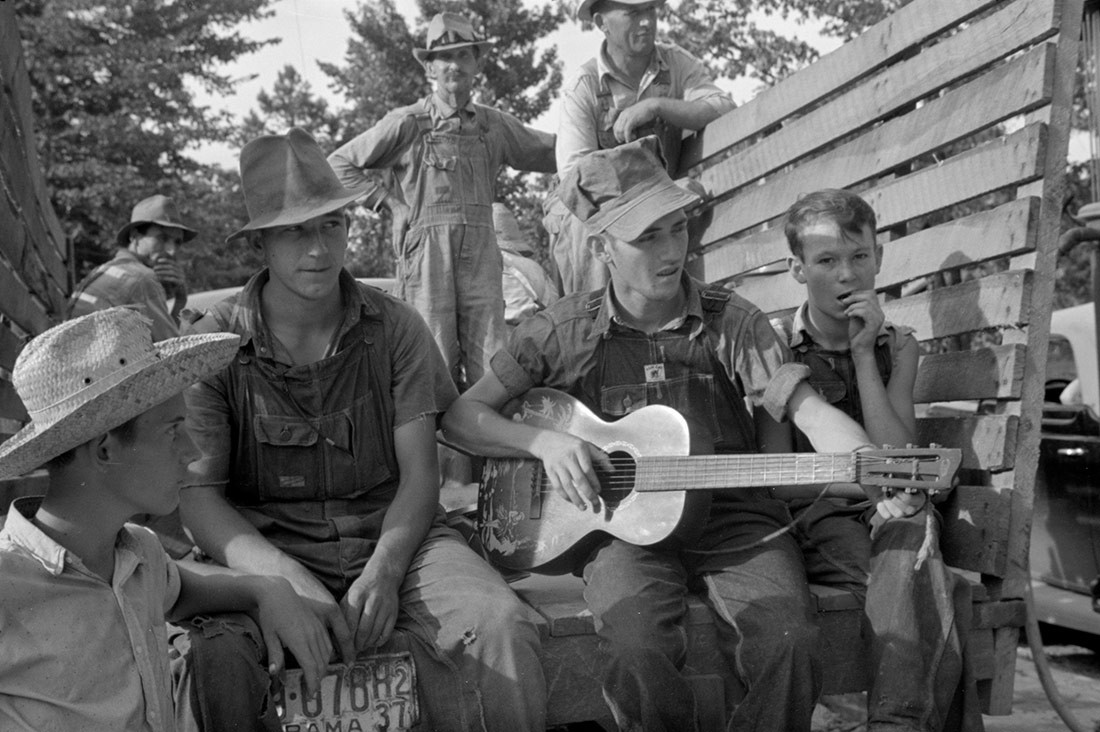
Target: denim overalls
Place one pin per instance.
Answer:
(449, 266)
(637, 595)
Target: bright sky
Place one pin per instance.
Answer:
(316, 30)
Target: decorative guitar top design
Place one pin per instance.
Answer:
(656, 490)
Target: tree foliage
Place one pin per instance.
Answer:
(731, 37)
(114, 110)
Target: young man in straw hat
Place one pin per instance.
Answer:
(144, 271)
(444, 153)
(85, 594)
(319, 465)
(656, 336)
(527, 288)
(635, 86)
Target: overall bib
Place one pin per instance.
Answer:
(449, 267)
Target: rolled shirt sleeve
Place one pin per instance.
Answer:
(366, 158)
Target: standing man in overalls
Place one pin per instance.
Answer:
(633, 87)
(445, 152)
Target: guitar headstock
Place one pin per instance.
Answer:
(925, 468)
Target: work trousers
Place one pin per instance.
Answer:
(767, 634)
(475, 646)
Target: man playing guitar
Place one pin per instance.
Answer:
(656, 336)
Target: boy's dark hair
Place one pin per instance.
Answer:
(846, 209)
(125, 432)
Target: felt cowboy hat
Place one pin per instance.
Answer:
(448, 31)
(286, 180)
(88, 375)
(507, 230)
(584, 7)
(158, 209)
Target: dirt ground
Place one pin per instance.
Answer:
(1076, 672)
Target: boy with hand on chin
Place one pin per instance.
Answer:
(867, 367)
(82, 629)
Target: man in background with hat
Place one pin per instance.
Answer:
(85, 594)
(654, 335)
(433, 165)
(144, 271)
(635, 86)
(527, 288)
(319, 465)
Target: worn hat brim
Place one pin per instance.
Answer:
(646, 203)
(422, 54)
(584, 10)
(180, 362)
(123, 236)
(300, 211)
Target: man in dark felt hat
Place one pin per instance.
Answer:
(319, 465)
(654, 335)
(444, 153)
(635, 86)
(144, 270)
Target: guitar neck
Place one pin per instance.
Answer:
(710, 472)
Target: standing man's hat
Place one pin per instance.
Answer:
(622, 190)
(158, 209)
(88, 375)
(286, 180)
(584, 7)
(508, 232)
(448, 31)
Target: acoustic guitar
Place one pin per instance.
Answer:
(656, 491)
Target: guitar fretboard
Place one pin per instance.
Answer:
(709, 472)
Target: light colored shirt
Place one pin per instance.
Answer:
(526, 287)
(580, 112)
(396, 145)
(77, 653)
(126, 280)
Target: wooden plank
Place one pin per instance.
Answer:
(982, 236)
(994, 301)
(1027, 448)
(10, 346)
(1006, 91)
(986, 441)
(880, 45)
(11, 406)
(984, 373)
(975, 524)
(999, 688)
(1008, 161)
(10, 44)
(1001, 231)
(17, 303)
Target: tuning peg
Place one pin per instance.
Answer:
(909, 446)
(934, 445)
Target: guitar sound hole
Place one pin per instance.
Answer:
(617, 484)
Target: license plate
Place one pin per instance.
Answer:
(375, 693)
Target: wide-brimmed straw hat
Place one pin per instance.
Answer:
(508, 232)
(584, 7)
(448, 31)
(286, 180)
(91, 374)
(624, 189)
(158, 209)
